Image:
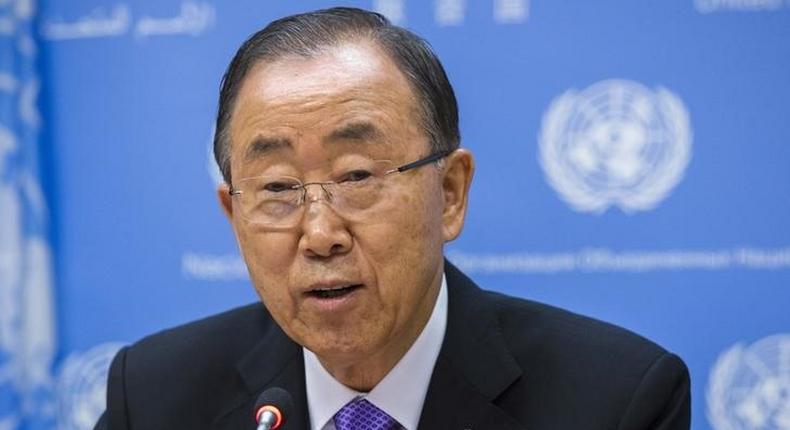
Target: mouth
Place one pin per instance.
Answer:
(333, 292)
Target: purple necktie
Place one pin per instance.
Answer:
(360, 414)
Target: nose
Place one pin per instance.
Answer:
(324, 232)
(322, 191)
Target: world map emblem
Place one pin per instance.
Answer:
(616, 143)
(82, 386)
(749, 386)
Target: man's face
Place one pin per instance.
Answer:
(309, 118)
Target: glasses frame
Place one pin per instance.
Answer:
(431, 158)
(400, 169)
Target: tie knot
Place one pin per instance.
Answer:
(360, 414)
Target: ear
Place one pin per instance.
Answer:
(225, 200)
(458, 171)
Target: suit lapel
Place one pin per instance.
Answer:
(474, 366)
(276, 361)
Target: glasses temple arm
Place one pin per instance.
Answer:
(424, 161)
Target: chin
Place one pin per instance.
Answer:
(339, 347)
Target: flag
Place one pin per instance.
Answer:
(27, 320)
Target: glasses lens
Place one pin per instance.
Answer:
(358, 191)
(270, 200)
(354, 192)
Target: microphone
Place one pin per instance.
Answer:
(272, 408)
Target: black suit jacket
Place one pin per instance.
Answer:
(505, 364)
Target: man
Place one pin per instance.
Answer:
(337, 135)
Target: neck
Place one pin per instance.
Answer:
(363, 374)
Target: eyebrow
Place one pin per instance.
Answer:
(361, 131)
(261, 146)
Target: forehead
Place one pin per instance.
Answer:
(350, 83)
(346, 67)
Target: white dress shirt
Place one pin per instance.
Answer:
(400, 394)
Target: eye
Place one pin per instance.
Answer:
(278, 186)
(355, 176)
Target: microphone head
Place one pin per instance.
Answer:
(275, 400)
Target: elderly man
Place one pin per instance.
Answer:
(337, 135)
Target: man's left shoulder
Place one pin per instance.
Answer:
(595, 370)
(524, 322)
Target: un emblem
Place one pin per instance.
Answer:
(749, 387)
(616, 143)
(82, 386)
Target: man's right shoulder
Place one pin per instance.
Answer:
(191, 367)
(234, 328)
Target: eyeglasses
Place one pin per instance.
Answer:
(354, 192)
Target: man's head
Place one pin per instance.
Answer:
(307, 35)
(349, 269)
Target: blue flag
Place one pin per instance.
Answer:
(27, 333)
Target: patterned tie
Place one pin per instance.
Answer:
(360, 414)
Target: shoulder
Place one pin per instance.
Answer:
(595, 369)
(231, 330)
(189, 367)
(570, 370)
(531, 328)
(526, 323)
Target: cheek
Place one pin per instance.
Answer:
(405, 242)
(408, 224)
(422, 221)
(268, 269)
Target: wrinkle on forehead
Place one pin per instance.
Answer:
(294, 97)
(283, 118)
(355, 131)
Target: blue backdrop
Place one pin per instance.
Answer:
(633, 164)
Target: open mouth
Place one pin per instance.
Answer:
(334, 292)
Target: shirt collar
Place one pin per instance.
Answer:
(400, 394)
